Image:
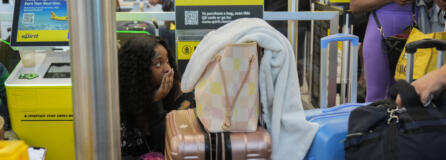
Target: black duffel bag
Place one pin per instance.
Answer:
(381, 131)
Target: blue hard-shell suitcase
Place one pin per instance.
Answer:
(328, 144)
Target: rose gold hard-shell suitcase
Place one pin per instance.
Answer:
(187, 139)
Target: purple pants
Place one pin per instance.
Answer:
(394, 19)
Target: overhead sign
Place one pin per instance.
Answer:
(211, 14)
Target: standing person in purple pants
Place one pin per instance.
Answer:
(394, 16)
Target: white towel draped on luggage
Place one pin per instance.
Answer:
(291, 134)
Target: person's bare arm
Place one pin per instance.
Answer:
(441, 4)
(432, 82)
(358, 6)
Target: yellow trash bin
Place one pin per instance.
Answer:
(13, 150)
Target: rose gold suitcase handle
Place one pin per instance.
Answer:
(228, 116)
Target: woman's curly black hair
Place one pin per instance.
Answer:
(136, 90)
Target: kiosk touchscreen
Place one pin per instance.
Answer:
(39, 95)
(40, 23)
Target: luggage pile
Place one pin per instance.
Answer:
(224, 125)
(381, 130)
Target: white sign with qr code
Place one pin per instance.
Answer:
(190, 17)
(28, 18)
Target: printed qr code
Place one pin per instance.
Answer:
(28, 18)
(190, 17)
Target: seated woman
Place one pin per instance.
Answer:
(149, 87)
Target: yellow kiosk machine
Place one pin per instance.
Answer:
(39, 88)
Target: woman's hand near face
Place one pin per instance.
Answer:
(166, 85)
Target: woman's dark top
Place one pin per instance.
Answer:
(135, 142)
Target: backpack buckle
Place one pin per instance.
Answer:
(392, 115)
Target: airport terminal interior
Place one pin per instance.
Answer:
(222, 80)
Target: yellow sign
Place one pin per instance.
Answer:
(42, 35)
(186, 49)
(217, 2)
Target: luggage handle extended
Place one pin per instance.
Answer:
(354, 65)
(412, 47)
